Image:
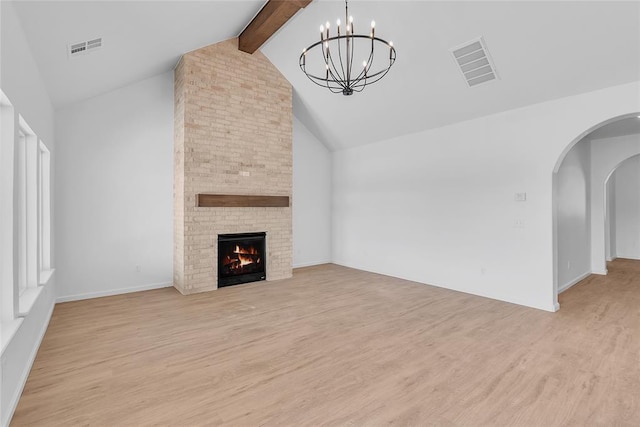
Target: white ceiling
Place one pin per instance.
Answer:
(141, 39)
(542, 51)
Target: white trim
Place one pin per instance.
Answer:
(112, 292)
(27, 300)
(312, 263)
(25, 374)
(627, 256)
(46, 275)
(575, 281)
(556, 306)
(600, 272)
(7, 332)
(546, 307)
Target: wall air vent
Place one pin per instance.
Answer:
(82, 48)
(474, 62)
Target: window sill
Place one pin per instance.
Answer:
(8, 330)
(45, 276)
(27, 300)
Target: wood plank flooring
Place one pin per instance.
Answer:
(336, 346)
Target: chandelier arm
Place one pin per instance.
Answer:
(331, 88)
(379, 75)
(326, 55)
(352, 51)
(365, 70)
(333, 68)
(324, 82)
(340, 56)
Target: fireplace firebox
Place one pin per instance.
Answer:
(241, 258)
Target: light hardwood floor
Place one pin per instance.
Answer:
(336, 346)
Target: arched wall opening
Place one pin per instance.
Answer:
(622, 210)
(581, 230)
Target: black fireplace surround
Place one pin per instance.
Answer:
(241, 258)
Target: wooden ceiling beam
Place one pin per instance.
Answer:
(273, 15)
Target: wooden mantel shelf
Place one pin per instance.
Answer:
(237, 201)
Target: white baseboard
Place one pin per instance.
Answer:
(312, 263)
(112, 292)
(628, 256)
(600, 272)
(569, 284)
(25, 374)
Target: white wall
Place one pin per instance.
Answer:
(627, 209)
(438, 206)
(21, 82)
(573, 215)
(311, 198)
(115, 191)
(606, 155)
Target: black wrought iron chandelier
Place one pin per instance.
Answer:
(334, 68)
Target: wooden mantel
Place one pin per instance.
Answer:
(239, 201)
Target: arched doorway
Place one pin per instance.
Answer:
(580, 179)
(622, 210)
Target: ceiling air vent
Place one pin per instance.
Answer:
(474, 62)
(81, 48)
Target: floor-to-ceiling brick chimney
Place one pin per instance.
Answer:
(233, 135)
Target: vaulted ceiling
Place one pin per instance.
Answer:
(542, 51)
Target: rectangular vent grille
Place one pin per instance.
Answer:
(76, 49)
(474, 62)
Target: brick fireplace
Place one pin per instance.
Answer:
(233, 136)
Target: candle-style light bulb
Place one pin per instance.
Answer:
(373, 24)
(364, 64)
(350, 19)
(338, 22)
(391, 43)
(322, 28)
(327, 24)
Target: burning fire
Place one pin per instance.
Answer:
(250, 251)
(242, 256)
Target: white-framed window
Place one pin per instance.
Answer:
(44, 213)
(27, 215)
(25, 219)
(9, 308)
(21, 209)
